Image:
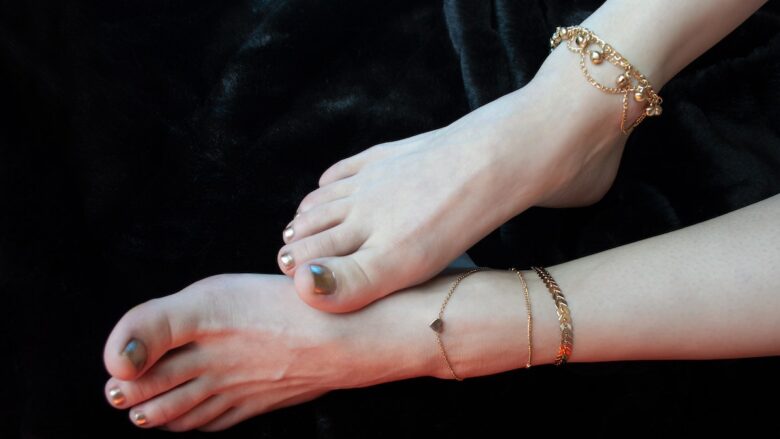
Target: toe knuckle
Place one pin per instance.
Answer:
(162, 383)
(143, 393)
(329, 240)
(162, 413)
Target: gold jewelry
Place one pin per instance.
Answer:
(528, 307)
(438, 324)
(564, 316)
(578, 39)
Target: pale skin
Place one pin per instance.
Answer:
(436, 194)
(248, 345)
(234, 346)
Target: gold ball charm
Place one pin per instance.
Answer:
(650, 111)
(581, 41)
(596, 57)
(622, 81)
(657, 111)
(639, 96)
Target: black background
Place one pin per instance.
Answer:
(145, 145)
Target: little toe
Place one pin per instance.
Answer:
(169, 372)
(340, 284)
(172, 404)
(339, 240)
(318, 219)
(150, 329)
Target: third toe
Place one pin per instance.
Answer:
(168, 373)
(336, 241)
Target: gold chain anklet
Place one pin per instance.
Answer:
(438, 324)
(564, 316)
(578, 39)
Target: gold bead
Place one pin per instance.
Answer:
(595, 57)
(658, 110)
(639, 96)
(650, 111)
(581, 41)
(622, 81)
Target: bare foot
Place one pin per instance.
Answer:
(233, 346)
(397, 213)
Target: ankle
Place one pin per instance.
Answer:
(561, 75)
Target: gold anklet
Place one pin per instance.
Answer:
(564, 316)
(438, 324)
(528, 307)
(578, 39)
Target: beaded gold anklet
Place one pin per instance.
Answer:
(579, 39)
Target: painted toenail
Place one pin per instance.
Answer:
(289, 232)
(324, 279)
(287, 260)
(135, 351)
(116, 395)
(139, 418)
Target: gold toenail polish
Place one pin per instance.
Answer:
(288, 232)
(287, 260)
(135, 351)
(324, 279)
(139, 418)
(116, 395)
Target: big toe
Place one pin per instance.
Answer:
(147, 331)
(346, 283)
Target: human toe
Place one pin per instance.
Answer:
(339, 240)
(149, 330)
(341, 284)
(334, 191)
(318, 219)
(172, 404)
(168, 373)
(202, 414)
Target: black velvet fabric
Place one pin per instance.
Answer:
(145, 145)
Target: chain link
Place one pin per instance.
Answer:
(578, 39)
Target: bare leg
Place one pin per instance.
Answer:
(238, 345)
(397, 213)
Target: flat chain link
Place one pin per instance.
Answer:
(564, 316)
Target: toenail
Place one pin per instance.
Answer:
(324, 279)
(135, 351)
(287, 260)
(116, 395)
(288, 232)
(139, 418)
